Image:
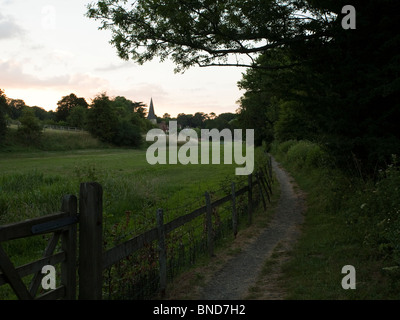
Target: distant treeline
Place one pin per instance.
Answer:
(116, 120)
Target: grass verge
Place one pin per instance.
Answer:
(346, 223)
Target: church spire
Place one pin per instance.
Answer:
(152, 116)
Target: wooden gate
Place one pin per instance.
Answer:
(62, 226)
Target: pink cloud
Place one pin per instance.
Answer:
(13, 76)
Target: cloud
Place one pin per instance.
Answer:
(115, 67)
(141, 92)
(9, 28)
(13, 76)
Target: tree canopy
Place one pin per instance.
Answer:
(344, 94)
(67, 104)
(211, 32)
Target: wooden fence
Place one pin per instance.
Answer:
(61, 128)
(91, 261)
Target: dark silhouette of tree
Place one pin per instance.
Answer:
(66, 104)
(15, 107)
(3, 109)
(102, 118)
(208, 33)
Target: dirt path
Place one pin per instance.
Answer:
(233, 280)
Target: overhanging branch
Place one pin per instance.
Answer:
(253, 66)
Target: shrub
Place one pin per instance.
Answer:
(127, 134)
(297, 153)
(316, 156)
(30, 130)
(380, 212)
(285, 146)
(304, 153)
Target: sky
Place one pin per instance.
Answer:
(49, 49)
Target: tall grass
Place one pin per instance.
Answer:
(349, 221)
(33, 183)
(60, 141)
(51, 140)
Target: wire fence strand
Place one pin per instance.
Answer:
(138, 275)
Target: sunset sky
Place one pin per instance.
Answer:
(49, 49)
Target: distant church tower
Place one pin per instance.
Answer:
(152, 116)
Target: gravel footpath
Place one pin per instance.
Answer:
(234, 279)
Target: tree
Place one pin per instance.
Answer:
(198, 120)
(351, 87)
(208, 32)
(265, 92)
(123, 106)
(78, 117)
(15, 107)
(102, 119)
(66, 104)
(3, 109)
(143, 124)
(223, 121)
(140, 109)
(212, 115)
(185, 120)
(293, 123)
(343, 93)
(127, 134)
(105, 121)
(30, 130)
(41, 113)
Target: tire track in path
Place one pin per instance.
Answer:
(233, 280)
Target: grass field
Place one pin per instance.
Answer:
(33, 182)
(51, 140)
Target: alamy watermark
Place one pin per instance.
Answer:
(49, 16)
(49, 280)
(349, 21)
(166, 152)
(349, 281)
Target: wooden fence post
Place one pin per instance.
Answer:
(68, 243)
(234, 212)
(258, 175)
(250, 198)
(90, 241)
(210, 240)
(270, 170)
(162, 251)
